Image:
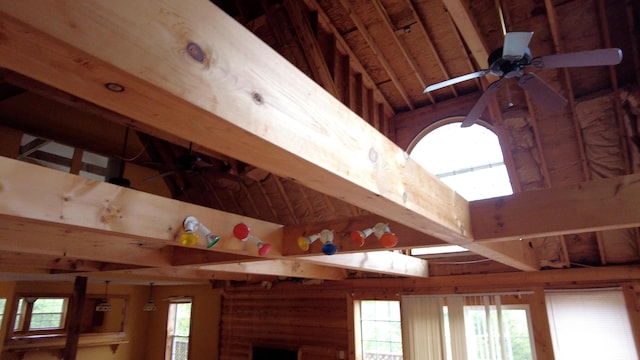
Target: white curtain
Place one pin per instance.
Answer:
(455, 305)
(475, 327)
(422, 328)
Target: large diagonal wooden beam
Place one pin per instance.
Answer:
(192, 71)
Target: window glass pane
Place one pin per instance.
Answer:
(381, 330)
(48, 314)
(178, 329)
(484, 339)
(3, 304)
(19, 315)
(469, 160)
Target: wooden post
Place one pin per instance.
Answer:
(73, 318)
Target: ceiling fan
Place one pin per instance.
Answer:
(187, 163)
(513, 57)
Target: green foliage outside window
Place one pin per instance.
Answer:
(381, 329)
(47, 313)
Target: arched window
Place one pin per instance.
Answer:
(469, 160)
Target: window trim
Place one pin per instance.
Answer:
(442, 122)
(23, 331)
(460, 179)
(171, 322)
(356, 322)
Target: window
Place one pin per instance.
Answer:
(484, 327)
(40, 314)
(590, 324)
(3, 304)
(497, 330)
(379, 330)
(178, 328)
(469, 160)
(62, 157)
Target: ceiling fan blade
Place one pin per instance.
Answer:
(516, 44)
(611, 56)
(159, 176)
(456, 80)
(541, 93)
(481, 104)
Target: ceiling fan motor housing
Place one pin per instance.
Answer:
(507, 66)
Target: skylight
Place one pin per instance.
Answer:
(469, 160)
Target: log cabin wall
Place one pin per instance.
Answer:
(317, 319)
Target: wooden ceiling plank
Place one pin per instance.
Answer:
(351, 57)
(429, 43)
(362, 29)
(276, 19)
(382, 12)
(79, 64)
(606, 39)
(632, 9)
(601, 204)
(557, 41)
(310, 46)
(286, 199)
(281, 267)
(383, 262)
(505, 147)
(469, 30)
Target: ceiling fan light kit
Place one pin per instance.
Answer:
(513, 58)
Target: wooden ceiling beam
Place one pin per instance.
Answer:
(40, 198)
(48, 262)
(407, 237)
(517, 254)
(602, 204)
(281, 267)
(67, 242)
(221, 98)
(383, 262)
(57, 214)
